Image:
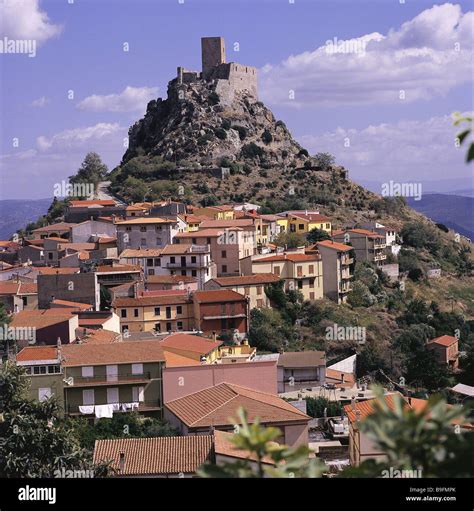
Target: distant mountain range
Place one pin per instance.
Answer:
(454, 211)
(15, 214)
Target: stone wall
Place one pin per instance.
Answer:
(212, 52)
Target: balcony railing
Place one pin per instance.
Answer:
(347, 260)
(379, 257)
(109, 379)
(379, 245)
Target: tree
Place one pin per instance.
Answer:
(426, 440)
(34, 442)
(92, 170)
(315, 235)
(268, 331)
(324, 160)
(464, 135)
(289, 240)
(4, 322)
(315, 407)
(265, 458)
(267, 137)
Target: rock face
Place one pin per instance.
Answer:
(196, 124)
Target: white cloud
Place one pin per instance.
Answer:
(33, 173)
(23, 19)
(406, 150)
(40, 102)
(425, 57)
(131, 99)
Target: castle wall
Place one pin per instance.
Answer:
(233, 78)
(212, 52)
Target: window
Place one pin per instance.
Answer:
(128, 228)
(246, 291)
(149, 262)
(157, 327)
(311, 269)
(194, 273)
(328, 226)
(179, 309)
(299, 271)
(124, 329)
(36, 370)
(87, 371)
(151, 271)
(159, 228)
(300, 284)
(311, 283)
(172, 259)
(88, 397)
(44, 393)
(193, 260)
(311, 296)
(224, 254)
(259, 290)
(224, 268)
(168, 327)
(157, 311)
(138, 394)
(276, 270)
(42, 369)
(135, 313)
(112, 395)
(223, 309)
(179, 325)
(123, 313)
(112, 372)
(260, 303)
(50, 255)
(24, 300)
(142, 228)
(194, 241)
(137, 368)
(301, 227)
(168, 312)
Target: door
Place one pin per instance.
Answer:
(112, 373)
(138, 394)
(112, 395)
(88, 397)
(183, 260)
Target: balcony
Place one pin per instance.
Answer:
(145, 406)
(346, 261)
(380, 257)
(346, 275)
(188, 265)
(379, 246)
(225, 316)
(345, 288)
(120, 379)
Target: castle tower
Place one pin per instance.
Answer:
(213, 52)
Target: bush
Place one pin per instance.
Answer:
(220, 133)
(214, 98)
(324, 160)
(267, 137)
(315, 407)
(252, 150)
(204, 139)
(241, 131)
(303, 152)
(226, 124)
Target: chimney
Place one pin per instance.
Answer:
(353, 404)
(342, 377)
(121, 461)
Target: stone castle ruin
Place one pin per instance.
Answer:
(228, 77)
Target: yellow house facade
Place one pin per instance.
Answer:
(304, 222)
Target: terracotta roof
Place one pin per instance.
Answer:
(224, 447)
(215, 406)
(147, 301)
(72, 305)
(170, 279)
(87, 203)
(188, 342)
(247, 280)
(31, 353)
(117, 268)
(97, 336)
(311, 217)
(162, 292)
(156, 455)
(93, 321)
(18, 288)
(142, 252)
(146, 220)
(178, 248)
(294, 258)
(218, 295)
(336, 377)
(118, 353)
(221, 224)
(40, 318)
(61, 226)
(366, 232)
(295, 359)
(175, 360)
(107, 239)
(205, 233)
(47, 270)
(444, 340)
(9, 244)
(78, 246)
(334, 245)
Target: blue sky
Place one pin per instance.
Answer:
(346, 104)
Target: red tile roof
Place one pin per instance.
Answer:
(156, 455)
(224, 295)
(47, 270)
(35, 353)
(188, 342)
(87, 203)
(18, 288)
(247, 280)
(115, 353)
(224, 447)
(215, 406)
(72, 305)
(118, 268)
(40, 318)
(444, 340)
(175, 360)
(295, 258)
(334, 245)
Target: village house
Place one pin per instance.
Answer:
(303, 221)
(17, 296)
(117, 274)
(212, 408)
(251, 286)
(337, 275)
(300, 272)
(82, 210)
(221, 311)
(446, 350)
(59, 230)
(194, 347)
(103, 379)
(147, 232)
(91, 230)
(223, 212)
(368, 245)
(171, 282)
(9, 251)
(249, 228)
(301, 369)
(162, 313)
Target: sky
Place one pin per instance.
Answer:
(372, 82)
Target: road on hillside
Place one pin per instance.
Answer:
(103, 193)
